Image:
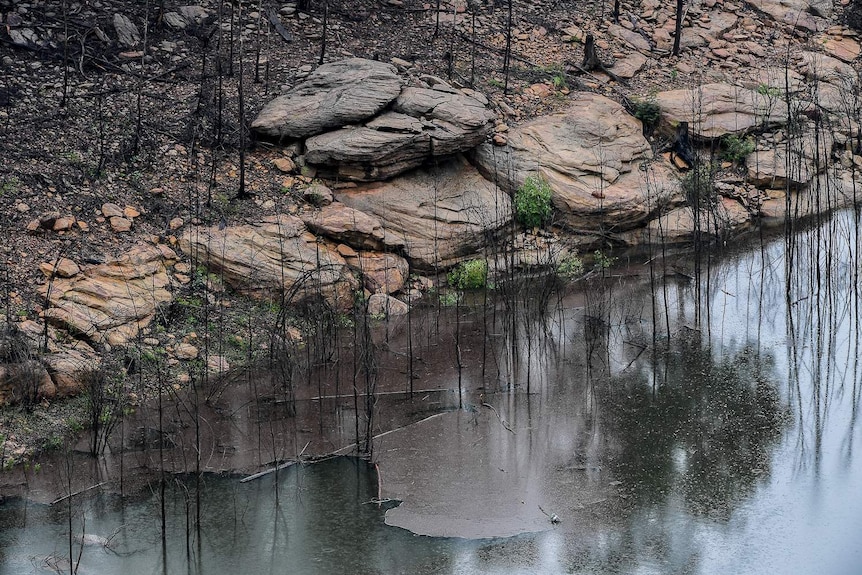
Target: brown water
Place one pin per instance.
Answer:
(726, 448)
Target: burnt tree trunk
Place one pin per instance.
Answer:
(677, 34)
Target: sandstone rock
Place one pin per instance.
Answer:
(770, 168)
(382, 305)
(714, 110)
(317, 195)
(63, 223)
(810, 15)
(69, 368)
(63, 268)
(120, 225)
(425, 123)
(819, 66)
(185, 351)
(590, 155)
(436, 216)
(276, 254)
(111, 302)
(127, 33)
(217, 364)
(111, 210)
(28, 381)
(380, 272)
(347, 225)
(834, 189)
(842, 48)
(130, 212)
(631, 37)
(335, 94)
(677, 227)
(176, 223)
(285, 165)
(629, 66)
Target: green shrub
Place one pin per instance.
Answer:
(646, 110)
(472, 274)
(533, 202)
(735, 149)
(570, 267)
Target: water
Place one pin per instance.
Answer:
(727, 447)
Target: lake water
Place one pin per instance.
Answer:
(728, 447)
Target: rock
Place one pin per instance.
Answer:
(833, 190)
(435, 215)
(317, 195)
(285, 165)
(110, 210)
(185, 351)
(176, 223)
(127, 33)
(768, 168)
(70, 368)
(715, 110)
(27, 381)
(810, 15)
(63, 268)
(335, 94)
(63, 223)
(815, 65)
(347, 225)
(677, 227)
(275, 255)
(111, 302)
(382, 305)
(217, 364)
(130, 213)
(380, 272)
(629, 66)
(425, 123)
(119, 224)
(842, 48)
(591, 156)
(630, 37)
(187, 16)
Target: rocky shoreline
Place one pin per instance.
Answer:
(374, 177)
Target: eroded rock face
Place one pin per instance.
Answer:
(678, 227)
(591, 156)
(425, 123)
(276, 254)
(715, 110)
(811, 15)
(335, 94)
(795, 162)
(111, 302)
(435, 216)
(354, 228)
(380, 272)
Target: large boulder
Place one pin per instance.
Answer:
(810, 15)
(352, 227)
(436, 216)
(792, 163)
(716, 110)
(111, 302)
(594, 156)
(425, 123)
(335, 94)
(678, 227)
(380, 272)
(276, 256)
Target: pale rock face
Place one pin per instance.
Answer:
(434, 216)
(595, 158)
(382, 305)
(273, 255)
(332, 96)
(381, 272)
(808, 155)
(111, 302)
(715, 110)
(355, 228)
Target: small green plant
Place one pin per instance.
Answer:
(9, 186)
(75, 426)
(570, 267)
(533, 202)
(735, 149)
(495, 83)
(646, 110)
(449, 298)
(602, 261)
(472, 274)
(768, 91)
(697, 186)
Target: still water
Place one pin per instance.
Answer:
(692, 423)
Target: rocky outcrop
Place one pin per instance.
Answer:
(111, 302)
(425, 123)
(274, 257)
(342, 223)
(421, 123)
(790, 163)
(592, 156)
(335, 94)
(810, 15)
(716, 110)
(678, 227)
(380, 272)
(435, 216)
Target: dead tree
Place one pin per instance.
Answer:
(592, 62)
(677, 33)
